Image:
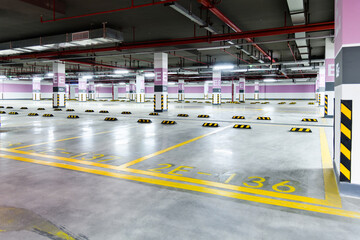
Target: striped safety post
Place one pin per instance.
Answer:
(345, 140)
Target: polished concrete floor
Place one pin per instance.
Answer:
(87, 178)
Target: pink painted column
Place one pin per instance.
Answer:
(1, 89)
(36, 88)
(59, 87)
(82, 87)
(216, 88)
(329, 78)
(161, 82)
(256, 90)
(242, 89)
(140, 88)
(347, 89)
(181, 90)
(322, 86)
(127, 89)
(132, 90)
(91, 91)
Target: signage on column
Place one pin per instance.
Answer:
(216, 82)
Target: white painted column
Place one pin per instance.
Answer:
(317, 84)
(206, 90)
(115, 91)
(256, 90)
(59, 87)
(1, 89)
(160, 82)
(127, 91)
(242, 89)
(329, 78)
(72, 92)
(233, 90)
(322, 86)
(140, 88)
(181, 90)
(347, 89)
(132, 90)
(82, 89)
(67, 91)
(91, 91)
(36, 88)
(216, 88)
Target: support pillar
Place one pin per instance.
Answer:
(242, 90)
(127, 91)
(256, 90)
(82, 87)
(206, 90)
(1, 89)
(72, 92)
(233, 90)
(115, 92)
(36, 87)
(67, 91)
(140, 88)
(322, 86)
(329, 78)
(91, 90)
(317, 83)
(160, 82)
(347, 88)
(59, 87)
(132, 90)
(216, 88)
(181, 91)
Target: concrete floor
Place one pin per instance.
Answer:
(90, 179)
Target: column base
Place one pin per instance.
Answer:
(59, 100)
(160, 101)
(328, 116)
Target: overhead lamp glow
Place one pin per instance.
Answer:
(121, 71)
(301, 68)
(270, 80)
(239, 70)
(149, 74)
(171, 83)
(3, 77)
(87, 77)
(213, 48)
(50, 74)
(223, 67)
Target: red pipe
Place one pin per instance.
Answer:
(232, 25)
(236, 56)
(191, 60)
(108, 11)
(183, 41)
(94, 64)
(292, 53)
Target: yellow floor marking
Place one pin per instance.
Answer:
(331, 189)
(240, 196)
(94, 164)
(66, 139)
(230, 178)
(203, 173)
(169, 148)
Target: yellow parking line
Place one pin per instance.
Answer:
(240, 196)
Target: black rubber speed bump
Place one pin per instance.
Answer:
(110, 119)
(73, 116)
(242, 126)
(70, 110)
(308, 130)
(292, 103)
(103, 111)
(265, 102)
(1, 106)
(263, 118)
(23, 108)
(154, 114)
(89, 110)
(57, 109)
(47, 115)
(2, 112)
(238, 117)
(13, 113)
(183, 115)
(253, 103)
(9, 107)
(168, 122)
(207, 102)
(311, 103)
(126, 113)
(41, 109)
(203, 116)
(309, 120)
(210, 125)
(144, 121)
(33, 114)
(282, 103)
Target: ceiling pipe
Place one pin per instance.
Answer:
(183, 41)
(227, 21)
(106, 12)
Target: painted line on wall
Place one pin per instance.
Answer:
(240, 196)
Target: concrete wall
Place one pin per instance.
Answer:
(284, 90)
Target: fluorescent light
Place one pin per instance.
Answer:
(259, 69)
(149, 74)
(223, 67)
(121, 71)
(213, 48)
(37, 79)
(50, 74)
(3, 77)
(87, 77)
(171, 83)
(270, 80)
(239, 70)
(301, 68)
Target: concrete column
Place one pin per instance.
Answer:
(216, 88)
(206, 90)
(132, 90)
(347, 88)
(322, 86)
(1, 89)
(242, 89)
(72, 92)
(140, 88)
(160, 82)
(67, 91)
(82, 89)
(36, 87)
(256, 90)
(317, 84)
(59, 87)
(115, 92)
(127, 91)
(329, 78)
(181, 91)
(233, 90)
(91, 90)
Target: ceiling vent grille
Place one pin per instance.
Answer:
(80, 36)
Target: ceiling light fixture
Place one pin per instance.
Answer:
(121, 71)
(223, 67)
